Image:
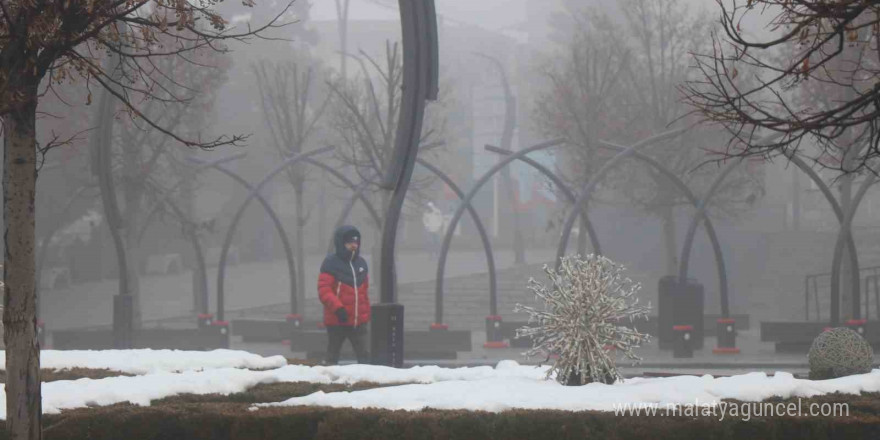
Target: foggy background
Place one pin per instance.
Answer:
(776, 231)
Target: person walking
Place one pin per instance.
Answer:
(343, 287)
(432, 219)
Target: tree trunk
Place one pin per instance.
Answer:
(300, 250)
(846, 269)
(132, 251)
(23, 401)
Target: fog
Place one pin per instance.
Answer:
(579, 70)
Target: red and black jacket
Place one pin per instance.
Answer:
(344, 282)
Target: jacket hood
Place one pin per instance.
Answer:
(339, 242)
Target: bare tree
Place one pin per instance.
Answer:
(618, 81)
(143, 164)
(755, 85)
(51, 43)
(293, 104)
(363, 117)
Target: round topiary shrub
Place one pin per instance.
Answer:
(839, 352)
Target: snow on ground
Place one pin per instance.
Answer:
(151, 361)
(140, 390)
(507, 391)
(506, 386)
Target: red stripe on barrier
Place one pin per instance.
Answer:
(725, 350)
(496, 344)
(682, 327)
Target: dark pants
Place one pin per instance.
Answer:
(336, 336)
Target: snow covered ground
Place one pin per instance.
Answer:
(508, 385)
(151, 361)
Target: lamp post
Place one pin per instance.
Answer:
(420, 83)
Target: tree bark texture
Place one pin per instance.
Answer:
(23, 401)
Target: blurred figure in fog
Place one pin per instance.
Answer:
(343, 289)
(433, 221)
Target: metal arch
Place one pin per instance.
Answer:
(345, 180)
(510, 122)
(846, 230)
(590, 185)
(202, 166)
(699, 215)
(487, 246)
(361, 189)
(465, 202)
(566, 191)
(221, 272)
(710, 229)
(217, 164)
(838, 212)
(279, 226)
(197, 248)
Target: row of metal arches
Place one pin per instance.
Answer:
(578, 210)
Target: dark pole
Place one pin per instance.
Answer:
(123, 304)
(221, 274)
(420, 83)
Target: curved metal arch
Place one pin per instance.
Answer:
(590, 185)
(189, 231)
(566, 191)
(699, 215)
(345, 180)
(487, 245)
(465, 202)
(221, 270)
(201, 166)
(838, 212)
(279, 226)
(846, 231)
(710, 228)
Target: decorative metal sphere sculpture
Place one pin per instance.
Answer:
(839, 352)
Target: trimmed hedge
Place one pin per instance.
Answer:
(222, 421)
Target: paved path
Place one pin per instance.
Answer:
(247, 285)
